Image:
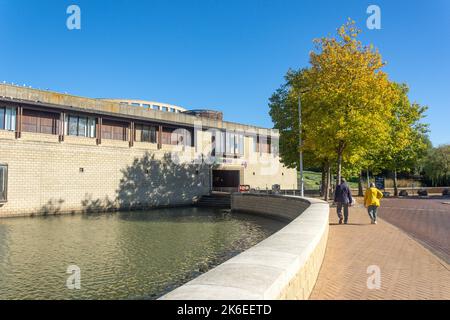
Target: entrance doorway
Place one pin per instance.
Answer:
(226, 180)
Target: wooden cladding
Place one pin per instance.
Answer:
(63, 124)
(114, 130)
(40, 122)
(176, 136)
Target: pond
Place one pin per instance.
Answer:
(125, 255)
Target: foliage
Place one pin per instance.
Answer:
(352, 115)
(437, 166)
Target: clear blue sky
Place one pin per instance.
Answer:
(221, 54)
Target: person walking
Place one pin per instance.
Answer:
(343, 199)
(372, 201)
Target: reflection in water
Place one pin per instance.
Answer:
(130, 255)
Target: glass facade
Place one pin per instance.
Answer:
(7, 118)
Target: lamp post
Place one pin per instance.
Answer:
(302, 185)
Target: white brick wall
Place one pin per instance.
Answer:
(44, 176)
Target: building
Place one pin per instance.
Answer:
(61, 153)
(150, 105)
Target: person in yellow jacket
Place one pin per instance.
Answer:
(372, 201)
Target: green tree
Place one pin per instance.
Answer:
(407, 142)
(349, 100)
(437, 166)
(352, 115)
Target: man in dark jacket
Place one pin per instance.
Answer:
(343, 198)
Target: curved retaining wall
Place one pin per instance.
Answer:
(283, 266)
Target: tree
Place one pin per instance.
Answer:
(407, 142)
(437, 166)
(352, 114)
(349, 103)
(284, 112)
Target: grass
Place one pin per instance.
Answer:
(312, 180)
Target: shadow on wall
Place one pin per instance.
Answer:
(146, 183)
(52, 207)
(151, 182)
(98, 205)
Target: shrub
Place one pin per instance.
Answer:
(422, 193)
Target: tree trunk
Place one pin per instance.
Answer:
(339, 169)
(395, 183)
(360, 185)
(322, 185)
(327, 182)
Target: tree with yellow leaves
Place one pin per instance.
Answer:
(347, 100)
(350, 98)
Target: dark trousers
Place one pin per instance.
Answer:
(372, 212)
(341, 205)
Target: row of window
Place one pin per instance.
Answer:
(86, 127)
(228, 143)
(83, 126)
(153, 107)
(233, 144)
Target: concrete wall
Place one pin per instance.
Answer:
(284, 266)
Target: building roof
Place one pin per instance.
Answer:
(50, 99)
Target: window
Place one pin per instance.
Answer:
(275, 144)
(165, 109)
(145, 133)
(146, 106)
(264, 144)
(235, 144)
(7, 118)
(255, 144)
(218, 143)
(3, 182)
(156, 107)
(80, 126)
(172, 109)
(135, 104)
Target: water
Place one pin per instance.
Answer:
(125, 255)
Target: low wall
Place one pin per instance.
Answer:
(283, 266)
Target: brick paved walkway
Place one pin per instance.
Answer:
(427, 220)
(408, 270)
